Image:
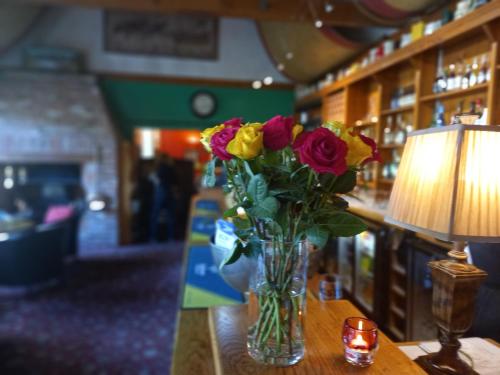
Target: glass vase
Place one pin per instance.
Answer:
(277, 303)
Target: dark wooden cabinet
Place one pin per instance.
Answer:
(384, 272)
(362, 267)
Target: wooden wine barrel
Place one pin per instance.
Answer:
(305, 51)
(392, 10)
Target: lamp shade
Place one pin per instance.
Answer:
(448, 184)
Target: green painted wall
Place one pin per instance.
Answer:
(167, 105)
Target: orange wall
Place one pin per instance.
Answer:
(177, 142)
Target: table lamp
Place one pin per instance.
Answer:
(448, 187)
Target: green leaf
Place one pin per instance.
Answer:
(317, 236)
(231, 212)
(274, 228)
(340, 203)
(345, 183)
(209, 175)
(248, 169)
(343, 224)
(253, 247)
(272, 158)
(242, 224)
(257, 188)
(238, 249)
(265, 209)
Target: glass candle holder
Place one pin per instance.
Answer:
(360, 337)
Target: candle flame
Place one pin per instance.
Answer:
(360, 325)
(359, 341)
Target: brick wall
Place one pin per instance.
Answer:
(62, 117)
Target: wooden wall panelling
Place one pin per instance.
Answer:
(492, 101)
(334, 107)
(424, 81)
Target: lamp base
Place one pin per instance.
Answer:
(455, 366)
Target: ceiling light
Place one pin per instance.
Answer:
(256, 85)
(281, 67)
(289, 55)
(318, 23)
(8, 183)
(268, 80)
(329, 7)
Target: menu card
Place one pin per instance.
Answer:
(480, 354)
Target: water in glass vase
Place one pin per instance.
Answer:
(277, 304)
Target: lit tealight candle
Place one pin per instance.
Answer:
(360, 339)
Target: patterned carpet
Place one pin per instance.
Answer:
(114, 314)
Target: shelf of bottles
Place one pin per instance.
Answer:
(464, 81)
(395, 130)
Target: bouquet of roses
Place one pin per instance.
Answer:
(288, 181)
(287, 185)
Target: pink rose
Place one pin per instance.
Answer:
(278, 132)
(375, 153)
(219, 141)
(236, 122)
(322, 150)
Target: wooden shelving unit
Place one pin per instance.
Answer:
(394, 111)
(368, 93)
(455, 93)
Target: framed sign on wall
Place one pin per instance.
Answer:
(177, 35)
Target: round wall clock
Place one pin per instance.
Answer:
(203, 104)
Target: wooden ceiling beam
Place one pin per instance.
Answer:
(344, 14)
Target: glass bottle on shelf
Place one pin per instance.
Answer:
(450, 80)
(459, 110)
(458, 75)
(438, 116)
(394, 99)
(400, 131)
(388, 134)
(483, 71)
(466, 77)
(474, 72)
(479, 106)
(440, 81)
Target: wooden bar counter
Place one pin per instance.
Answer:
(213, 341)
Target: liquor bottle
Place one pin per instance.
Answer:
(440, 120)
(479, 106)
(458, 75)
(459, 110)
(483, 72)
(438, 116)
(450, 81)
(474, 73)
(400, 131)
(388, 135)
(440, 76)
(466, 77)
(472, 107)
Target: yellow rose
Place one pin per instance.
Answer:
(297, 129)
(248, 142)
(358, 151)
(335, 127)
(206, 136)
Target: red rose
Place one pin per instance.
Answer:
(219, 141)
(375, 154)
(323, 151)
(278, 132)
(236, 122)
